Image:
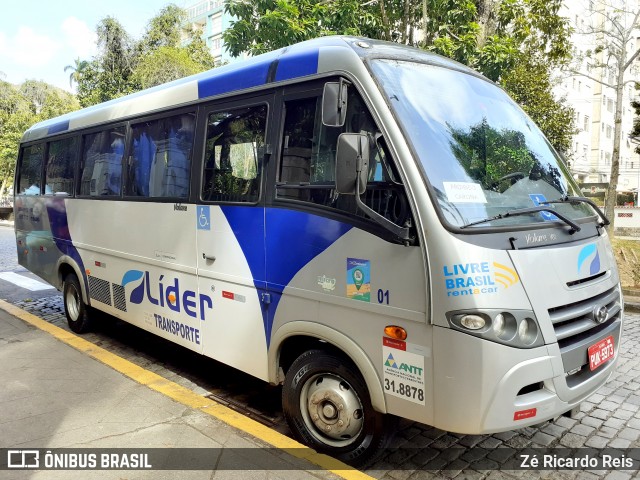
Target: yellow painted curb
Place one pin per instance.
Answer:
(186, 397)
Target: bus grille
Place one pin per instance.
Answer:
(571, 322)
(578, 327)
(99, 290)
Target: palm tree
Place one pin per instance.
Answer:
(76, 70)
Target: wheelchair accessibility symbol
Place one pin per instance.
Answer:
(204, 217)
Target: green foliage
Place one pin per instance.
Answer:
(529, 84)
(164, 65)
(266, 25)
(496, 37)
(123, 66)
(164, 30)
(635, 132)
(77, 69)
(107, 75)
(488, 154)
(21, 107)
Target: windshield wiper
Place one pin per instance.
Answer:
(576, 200)
(529, 211)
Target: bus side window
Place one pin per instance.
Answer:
(233, 155)
(61, 161)
(30, 172)
(307, 165)
(160, 159)
(102, 163)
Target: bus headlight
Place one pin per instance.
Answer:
(472, 322)
(516, 328)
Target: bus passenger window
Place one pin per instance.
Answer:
(233, 155)
(30, 171)
(307, 165)
(61, 161)
(102, 162)
(160, 159)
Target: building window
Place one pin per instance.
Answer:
(586, 123)
(609, 105)
(608, 131)
(216, 24)
(216, 43)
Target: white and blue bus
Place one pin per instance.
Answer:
(380, 230)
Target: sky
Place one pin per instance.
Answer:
(38, 38)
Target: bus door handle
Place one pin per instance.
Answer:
(211, 258)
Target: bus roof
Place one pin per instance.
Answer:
(318, 56)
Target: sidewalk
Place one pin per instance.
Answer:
(54, 396)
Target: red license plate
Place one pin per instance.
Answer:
(600, 352)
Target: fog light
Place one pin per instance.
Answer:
(527, 331)
(472, 322)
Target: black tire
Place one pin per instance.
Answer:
(315, 386)
(75, 309)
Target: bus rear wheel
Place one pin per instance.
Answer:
(76, 311)
(327, 407)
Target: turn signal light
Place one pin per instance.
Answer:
(396, 332)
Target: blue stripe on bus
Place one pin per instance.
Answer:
(58, 127)
(296, 65)
(293, 239)
(59, 223)
(235, 79)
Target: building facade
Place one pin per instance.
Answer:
(593, 100)
(209, 17)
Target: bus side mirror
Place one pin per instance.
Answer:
(334, 104)
(352, 163)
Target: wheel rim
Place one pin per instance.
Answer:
(331, 410)
(72, 300)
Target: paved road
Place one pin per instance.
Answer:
(610, 419)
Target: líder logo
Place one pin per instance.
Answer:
(166, 294)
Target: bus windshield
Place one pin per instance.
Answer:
(481, 153)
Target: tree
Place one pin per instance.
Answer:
(164, 65)
(21, 107)
(107, 75)
(124, 66)
(161, 57)
(497, 37)
(529, 84)
(614, 26)
(76, 70)
(266, 25)
(164, 30)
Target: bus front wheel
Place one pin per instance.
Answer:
(74, 307)
(327, 406)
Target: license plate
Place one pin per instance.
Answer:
(600, 352)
